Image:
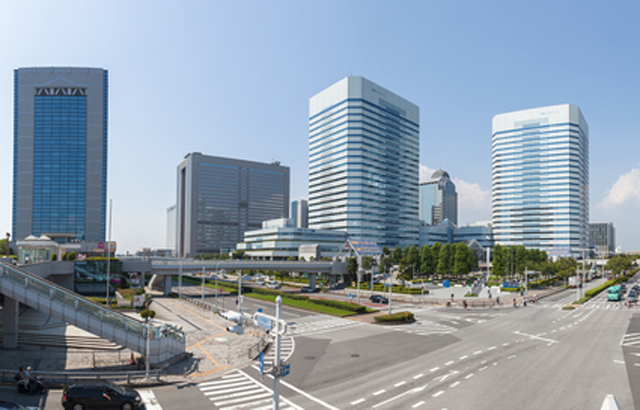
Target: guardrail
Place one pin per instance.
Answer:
(52, 379)
(60, 302)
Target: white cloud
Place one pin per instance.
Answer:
(474, 203)
(625, 190)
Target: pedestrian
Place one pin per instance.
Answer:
(497, 300)
(464, 303)
(524, 301)
(515, 304)
(535, 297)
(489, 292)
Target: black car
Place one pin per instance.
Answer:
(379, 299)
(100, 395)
(308, 289)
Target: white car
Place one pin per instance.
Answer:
(273, 285)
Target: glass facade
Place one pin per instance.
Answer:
(602, 237)
(363, 163)
(438, 199)
(60, 153)
(540, 190)
(59, 164)
(219, 199)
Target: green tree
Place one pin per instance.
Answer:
(461, 259)
(352, 267)
(396, 256)
(426, 261)
(386, 251)
(368, 262)
(238, 255)
(54, 256)
(499, 263)
(435, 255)
(566, 267)
(71, 256)
(444, 260)
(619, 264)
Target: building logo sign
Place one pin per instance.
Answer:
(61, 91)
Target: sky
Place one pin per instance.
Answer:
(233, 79)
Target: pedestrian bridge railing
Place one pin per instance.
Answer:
(165, 342)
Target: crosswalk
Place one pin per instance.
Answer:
(321, 325)
(287, 346)
(239, 391)
(425, 328)
(630, 340)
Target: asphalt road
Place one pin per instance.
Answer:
(501, 358)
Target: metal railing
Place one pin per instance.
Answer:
(67, 377)
(50, 292)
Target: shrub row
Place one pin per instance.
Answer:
(400, 317)
(351, 307)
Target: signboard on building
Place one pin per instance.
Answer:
(559, 251)
(366, 248)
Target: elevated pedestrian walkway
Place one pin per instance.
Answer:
(19, 286)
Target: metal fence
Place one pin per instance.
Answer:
(53, 379)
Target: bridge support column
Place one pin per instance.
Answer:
(10, 317)
(168, 282)
(312, 280)
(332, 281)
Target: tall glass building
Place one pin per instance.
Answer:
(219, 199)
(438, 199)
(540, 189)
(60, 153)
(364, 163)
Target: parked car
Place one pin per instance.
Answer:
(379, 299)
(308, 289)
(259, 282)
(100, 395)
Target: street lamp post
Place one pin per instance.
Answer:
(109, 251)
(7, 244)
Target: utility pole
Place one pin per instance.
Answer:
(180, 281)
(202, 287)
(276, 365)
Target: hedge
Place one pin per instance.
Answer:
(400, 317)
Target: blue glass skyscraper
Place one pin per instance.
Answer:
(438, 199)
(60, 153)
(364, 163)
(540, 189)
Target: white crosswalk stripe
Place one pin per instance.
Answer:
(239, 391)
(318, 326)
(149, 399)
(630, 340)
(425, 328)
(287, 346)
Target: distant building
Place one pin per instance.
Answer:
(280, 239)
(300, 213)
(448, 232)
(540, 170)
(219, 199)
(172, 219)
(60, 153)
(602, 236)
(364, 150)
(438, 199)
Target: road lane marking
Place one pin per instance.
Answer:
(618, 361)
(434, 369)
(505, 344)
(150, 400)
(400, 384)
(441, 392)
(511, 357)
(417, 376)
(454, 384)
(469, 376)
(477, 352)
(449, 363)
(307, 395)
(491, 348)
(463, 357)
(483, 368)
(398, 396)
(444, 376)
(418, 404)
(536, 337)
(379, 392)
(353, 403)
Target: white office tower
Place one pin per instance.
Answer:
(364, 163)
(540, 190)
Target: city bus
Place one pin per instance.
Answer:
(614, 293)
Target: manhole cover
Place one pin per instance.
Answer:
(310, 357)
(355, 355)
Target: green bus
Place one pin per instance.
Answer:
(614, 293)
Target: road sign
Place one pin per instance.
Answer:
(286, 369)
(263, 321)
(261, 363)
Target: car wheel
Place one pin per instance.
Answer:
(126, 406)
(77, 406)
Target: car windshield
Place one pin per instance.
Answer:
(115, 387)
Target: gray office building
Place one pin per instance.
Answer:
(602, 236)
(219, 199)
(300, 213)
(60, 153)
(438, 199)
